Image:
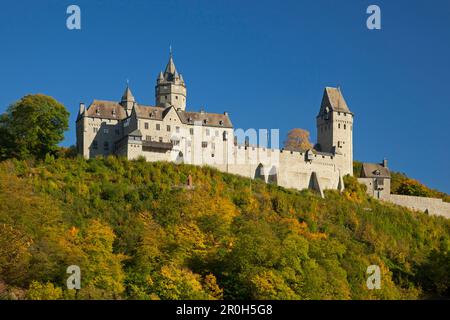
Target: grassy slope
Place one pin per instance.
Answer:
(137, 232)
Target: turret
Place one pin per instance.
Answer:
(128, 100)
(170, 87)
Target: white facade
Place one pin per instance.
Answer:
(167, 132)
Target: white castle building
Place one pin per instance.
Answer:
(168, 131)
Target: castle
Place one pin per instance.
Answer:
(169, 132)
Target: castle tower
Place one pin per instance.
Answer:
(335, 129)
(127, 100)
(170, 87)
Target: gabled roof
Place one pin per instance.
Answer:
(149, 112)
(334, 100)
(106, 110)
(186, 117)
(212, 119)
(374, 170)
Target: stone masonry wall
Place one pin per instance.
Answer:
(433, 205)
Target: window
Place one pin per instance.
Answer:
(213, 145)
(106, 145)
(204, 144)
(177, 129)
(176, 97)
(168, 128)
(158, 126)
(146, 125)
(176, 142)
(191, 131)
(148, 138)
(95, 145)
(345, 126)
(95, 129)
(339, 125)
(207, 132)
(160, 139)
(106, 131)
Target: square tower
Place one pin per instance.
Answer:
(170, 88)
(335, 128)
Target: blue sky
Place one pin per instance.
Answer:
(265, 62)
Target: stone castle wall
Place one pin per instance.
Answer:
(434, 206)
(285, 168)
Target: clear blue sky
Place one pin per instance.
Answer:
(265, 62)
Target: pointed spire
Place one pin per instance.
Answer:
(160, 77)
(127, 95)
(170, 68)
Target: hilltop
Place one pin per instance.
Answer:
(137, 231)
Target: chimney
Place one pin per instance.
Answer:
(385, 163)
(225, 113)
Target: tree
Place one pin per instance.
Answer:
(41, 291)
(32, 127)
(297, 140)
(412, 187)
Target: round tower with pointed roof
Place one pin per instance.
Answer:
(127, 100)
(170, 87)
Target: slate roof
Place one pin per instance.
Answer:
(374, 170)
(106, 110)
(149, 112)
(127, 95)
(212, 119)
(333, 99)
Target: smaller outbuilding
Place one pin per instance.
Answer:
(377, 178)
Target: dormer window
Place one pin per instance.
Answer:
(221, 122)
(205, 121)
(97, 111)
(113, 112)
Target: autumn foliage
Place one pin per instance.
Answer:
(137, 232)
